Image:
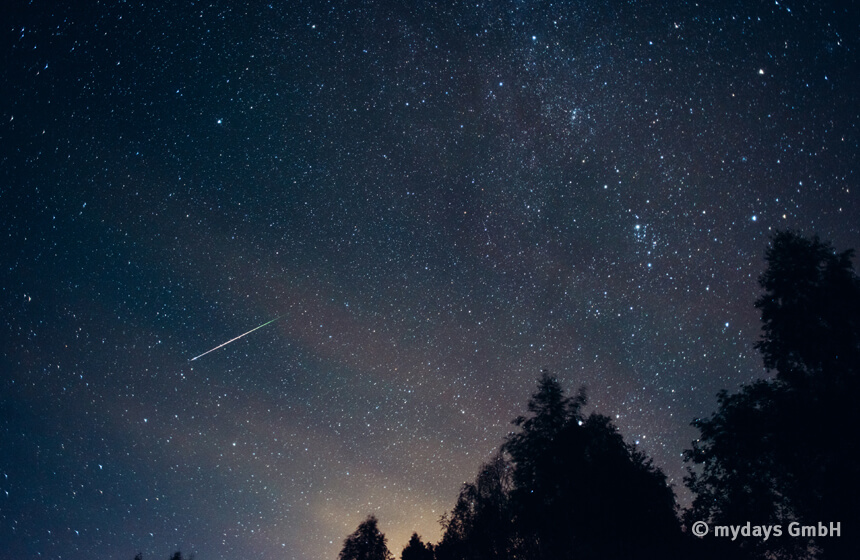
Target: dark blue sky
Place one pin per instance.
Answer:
(439, 200)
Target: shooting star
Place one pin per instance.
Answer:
(234, 339)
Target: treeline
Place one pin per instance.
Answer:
(781, 452)
(778, 454)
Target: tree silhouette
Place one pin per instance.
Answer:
(541, 475)
(776, 451)
(563, 486)
(417, 550)
(580, 490)
(480, 525)
(810, 312)
(738, 451)
(366, 543)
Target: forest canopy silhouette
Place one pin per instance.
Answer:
(780, 451)
(784, 450)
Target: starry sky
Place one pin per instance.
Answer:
(437, 200)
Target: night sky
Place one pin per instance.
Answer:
(437, 201)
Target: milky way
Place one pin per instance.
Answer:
(438, 200)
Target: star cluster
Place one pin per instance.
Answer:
(439, 200)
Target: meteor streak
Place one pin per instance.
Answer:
(234, 339)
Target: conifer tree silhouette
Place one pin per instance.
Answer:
(366, 543)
